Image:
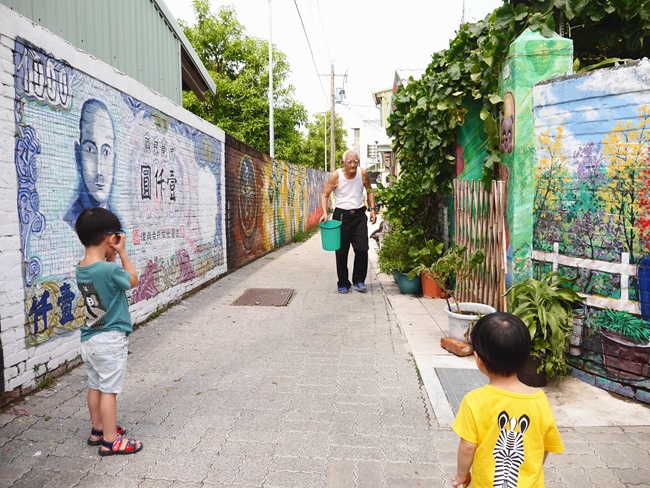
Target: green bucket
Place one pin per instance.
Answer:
(330, 234)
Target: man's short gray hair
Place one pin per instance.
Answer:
(350, 152)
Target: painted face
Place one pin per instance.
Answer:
(96, 152)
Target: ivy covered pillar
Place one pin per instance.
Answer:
(532, 58)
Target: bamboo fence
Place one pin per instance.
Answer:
(480, 223)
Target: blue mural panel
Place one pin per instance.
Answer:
(81, 143)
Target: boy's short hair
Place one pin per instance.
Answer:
(502, 341)
(93, 224)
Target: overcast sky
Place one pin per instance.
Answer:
(367, 39)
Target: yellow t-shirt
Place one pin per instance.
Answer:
(512, 431)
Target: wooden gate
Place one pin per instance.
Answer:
(480, 223)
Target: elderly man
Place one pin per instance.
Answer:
(348, 184)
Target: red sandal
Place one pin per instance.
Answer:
(122, 445)
(100, 433)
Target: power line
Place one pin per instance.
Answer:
(320, 16)
(310, 50)
(363, 117)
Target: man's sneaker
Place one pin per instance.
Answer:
(343, 290)
(360, 287)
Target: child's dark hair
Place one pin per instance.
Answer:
(94, 223)
(502, 341)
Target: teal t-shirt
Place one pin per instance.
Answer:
(103, 286)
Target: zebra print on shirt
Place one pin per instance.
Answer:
(509, 450)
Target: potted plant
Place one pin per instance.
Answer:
(546, 307)
(393, 257)
(626, 343)
(426, 256)
(456, 266)
(393, 253)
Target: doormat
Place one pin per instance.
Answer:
(457, 382)
(265, 297)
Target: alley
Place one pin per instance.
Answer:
(321, 393)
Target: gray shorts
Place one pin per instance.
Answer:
(104, 355)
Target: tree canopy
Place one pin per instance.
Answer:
(238, 64)
(314, 148)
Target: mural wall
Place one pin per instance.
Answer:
(80, 144)
(268, 201)
(591, 214)
(72, 138)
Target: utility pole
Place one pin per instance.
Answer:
(271, 125)
(332, 121)
(332, 117)
(325, 140)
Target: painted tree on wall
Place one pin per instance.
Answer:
(590, 233)
(553, 180)
(625, 147)
(644, 220)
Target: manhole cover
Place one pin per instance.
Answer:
(265, 297)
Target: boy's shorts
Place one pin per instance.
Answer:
(104, 355)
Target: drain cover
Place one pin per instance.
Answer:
(265, 297)
(458, 382)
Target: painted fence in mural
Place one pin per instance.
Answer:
(194, 203)
(592, 206)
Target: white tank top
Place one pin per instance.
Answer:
(348, 195)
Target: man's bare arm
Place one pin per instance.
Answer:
(327, 191)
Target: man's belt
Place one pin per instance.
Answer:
(353, 211)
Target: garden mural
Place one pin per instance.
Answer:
(592, 214)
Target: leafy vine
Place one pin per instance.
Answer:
(427, 112)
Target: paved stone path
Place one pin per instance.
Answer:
(321, 393)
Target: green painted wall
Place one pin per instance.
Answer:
(471, 149)
(130, 35)
(532, 58)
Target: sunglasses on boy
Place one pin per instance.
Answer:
(116, 232)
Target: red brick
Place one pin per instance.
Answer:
(459, 348)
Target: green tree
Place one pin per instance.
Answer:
(314, 155)
(238, 64)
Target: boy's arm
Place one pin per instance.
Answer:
(120, 247)
(466, 452)
(129, 268)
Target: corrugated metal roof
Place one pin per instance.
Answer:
(187, 47)
(139, 37)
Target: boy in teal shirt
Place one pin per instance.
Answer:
(104, 344)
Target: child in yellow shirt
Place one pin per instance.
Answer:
(506, 428)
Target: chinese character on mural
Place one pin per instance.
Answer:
(65, 302)
(39, 310)
(145, 181)
(172, 186)
(160, 180)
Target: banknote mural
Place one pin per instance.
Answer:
(81, 143)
